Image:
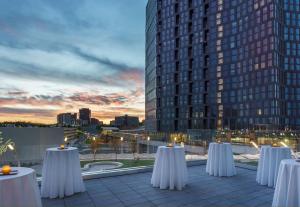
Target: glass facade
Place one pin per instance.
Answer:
(290, 35)
(151, 67)
(225, 64)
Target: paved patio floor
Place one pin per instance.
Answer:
(202, 190)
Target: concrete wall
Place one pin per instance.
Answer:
(31, 143)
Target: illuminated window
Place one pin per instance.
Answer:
(259, 112)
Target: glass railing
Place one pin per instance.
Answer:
(124, 150)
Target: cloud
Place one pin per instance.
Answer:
(38, 100)
(98, 99)
(16, 92)
(92, 52)
(16, 63)
(31, 112)
(102, 61)
(69, 101)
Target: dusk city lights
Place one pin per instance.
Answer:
(150, 103)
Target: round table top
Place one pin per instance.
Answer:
(56, 149)
(22, 171)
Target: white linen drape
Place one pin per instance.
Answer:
(287, 191)
(170, 169)
(268, 165)
(20, 190)
(220, 160)
(61, 173)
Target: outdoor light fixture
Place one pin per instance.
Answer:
(254, 144)
(11, 147)
(6, 169)
(66, 139)
(121, 139)
(283, 144)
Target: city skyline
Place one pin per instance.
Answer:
(57, 57)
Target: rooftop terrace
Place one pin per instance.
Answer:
(202, 190)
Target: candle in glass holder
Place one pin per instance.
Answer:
(62, 146)
(6, 169)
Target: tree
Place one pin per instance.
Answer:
(115, 144)
(133, 147)
(95, 144)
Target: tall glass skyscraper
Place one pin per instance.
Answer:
(215, 64)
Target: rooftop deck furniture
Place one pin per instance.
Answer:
(287, 191)
(268, 165)
(220, 160)
(170, 170)
(61, 173)
(20, 190)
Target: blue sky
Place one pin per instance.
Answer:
(60, 55)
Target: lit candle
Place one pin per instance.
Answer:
(6, 169)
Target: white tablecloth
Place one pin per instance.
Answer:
(287, 191)
(170, 169)
(20, 190)
(61, 173)
(268, 165)
(220, 160)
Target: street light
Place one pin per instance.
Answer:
(148, 140)
(66, 141)
(121, 144)
(254, 144)
(283, 144)
(12, 148)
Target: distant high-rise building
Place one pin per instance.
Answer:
(67, 119)
(85, 116)
(112, 123)
(95, 121)
(126, 122)
(215, 64)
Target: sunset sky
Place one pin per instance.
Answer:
(59, 56)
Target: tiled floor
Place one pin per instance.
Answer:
(202, 190)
